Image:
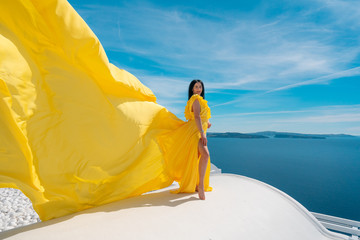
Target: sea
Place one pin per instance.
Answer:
(321, 174)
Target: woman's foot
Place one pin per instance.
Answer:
(201, 192)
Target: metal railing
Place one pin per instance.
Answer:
(342, 225)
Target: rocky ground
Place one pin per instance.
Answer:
(15, 209)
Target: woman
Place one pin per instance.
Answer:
(185, 148)
(199, 113)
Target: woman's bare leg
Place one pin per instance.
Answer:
(204, 157)
(196, 189)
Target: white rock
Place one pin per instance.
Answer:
(9, 227)
(15, 209)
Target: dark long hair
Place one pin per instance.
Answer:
(191, 86)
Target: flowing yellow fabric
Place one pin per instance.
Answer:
(76, 131)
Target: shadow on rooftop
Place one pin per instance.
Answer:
(157, 198)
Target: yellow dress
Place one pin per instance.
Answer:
(182, 149)
(76, 131)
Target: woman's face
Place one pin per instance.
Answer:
(197, 89)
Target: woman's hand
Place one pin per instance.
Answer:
(209, 124)
(203, 139)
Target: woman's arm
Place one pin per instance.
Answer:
(196, 108)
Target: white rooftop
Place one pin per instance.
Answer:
(238, 208)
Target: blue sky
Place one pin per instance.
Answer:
(267, 65)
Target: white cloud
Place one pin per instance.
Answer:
(253, 53)
(346, 13)
(230, 52)
(324, 119)
(261, 113)
(323, 79)
(323, 111)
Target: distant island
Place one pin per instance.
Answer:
(273, 134)
(234, 135)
